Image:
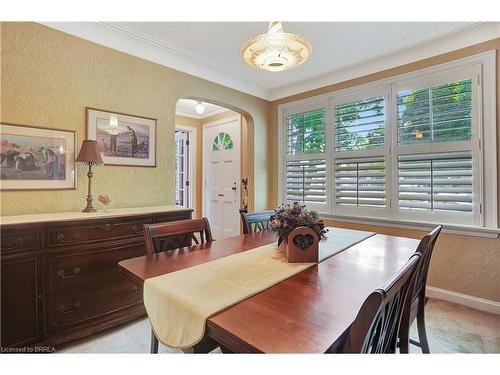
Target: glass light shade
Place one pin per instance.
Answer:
(276, 51)
(199, 108)
(113, 121)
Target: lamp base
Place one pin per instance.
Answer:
(90, 207)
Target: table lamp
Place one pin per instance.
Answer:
(90, 155)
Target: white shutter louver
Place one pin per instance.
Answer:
(435, 114)
(306, 132)
(360, 125)
(436, 182)
(360, 182)
(306, 181)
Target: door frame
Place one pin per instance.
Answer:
(204, 159)
(192, 163)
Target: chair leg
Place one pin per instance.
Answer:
(154, 343)
(404, 341)
(422, 334)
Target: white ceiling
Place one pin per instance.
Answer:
(186, 107)
(211, 50)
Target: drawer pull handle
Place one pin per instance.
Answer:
(75, 237)
(17, 242)
(74, 308)
(137, 230)
(75, 273)
(106, 226)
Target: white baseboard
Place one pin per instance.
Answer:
(464, 300)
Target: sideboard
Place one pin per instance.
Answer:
(59, 275)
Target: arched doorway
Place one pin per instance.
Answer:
(219, 141)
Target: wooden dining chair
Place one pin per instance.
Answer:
(425, 247)
(176, 234)
(376, 327)
(256, 221)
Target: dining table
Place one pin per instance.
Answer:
(309, 312)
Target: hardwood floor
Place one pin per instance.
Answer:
(451, 329)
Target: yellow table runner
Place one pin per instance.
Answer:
(179, 303)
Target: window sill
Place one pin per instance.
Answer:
(463, 230)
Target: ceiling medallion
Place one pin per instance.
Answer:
(275, 50)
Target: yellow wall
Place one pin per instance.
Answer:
(49, 77)
(468, 265)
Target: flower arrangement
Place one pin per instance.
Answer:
(290, 216)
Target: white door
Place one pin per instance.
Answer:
(221, 153)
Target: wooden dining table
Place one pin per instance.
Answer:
(306, 313)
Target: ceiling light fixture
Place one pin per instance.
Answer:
(275, 50)
(199, 108)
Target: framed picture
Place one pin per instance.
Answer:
(34, 158)
(123, 139)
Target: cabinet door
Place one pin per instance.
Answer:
(21, 300)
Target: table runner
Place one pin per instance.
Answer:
(179, 303)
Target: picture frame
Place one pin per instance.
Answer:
(37, 158)
(123, 139)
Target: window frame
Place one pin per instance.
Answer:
(483, 144)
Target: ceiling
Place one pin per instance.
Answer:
(211, 50)
(186, 107)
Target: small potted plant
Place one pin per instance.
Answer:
(299, 231)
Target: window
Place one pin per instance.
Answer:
(441, 113)
(306, 164)
(420, 147)
(359, 155)
(360, 125)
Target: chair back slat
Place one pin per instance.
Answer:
(256, 221)
(176, 234)
(376, 327)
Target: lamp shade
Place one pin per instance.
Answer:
(89, 153)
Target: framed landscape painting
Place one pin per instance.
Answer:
(34, 158)
(123, 139)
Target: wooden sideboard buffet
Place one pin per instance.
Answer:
(59, 275)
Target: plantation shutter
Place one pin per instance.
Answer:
(360, 182)
(306, 181)
(360, 124)
(436, 181)
(306, 132)
(436, 114)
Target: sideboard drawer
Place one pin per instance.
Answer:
(86, 286)
(101, 231)
(19, 241)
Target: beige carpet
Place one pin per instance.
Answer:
(451, 329)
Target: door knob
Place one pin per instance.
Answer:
(220, 195)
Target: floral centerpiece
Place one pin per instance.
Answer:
(291, 216)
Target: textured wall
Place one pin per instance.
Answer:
(468, 265)
(49, 77)
(463, 264)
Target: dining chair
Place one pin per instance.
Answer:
(256, 221)
(425, 247)
(172, 235)
(176, 234)
(376, 327)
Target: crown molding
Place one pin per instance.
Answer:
(139, 45)
(123, 39)
(460, 38)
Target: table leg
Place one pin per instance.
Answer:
(154, 343)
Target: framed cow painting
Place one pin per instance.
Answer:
(35, 158)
